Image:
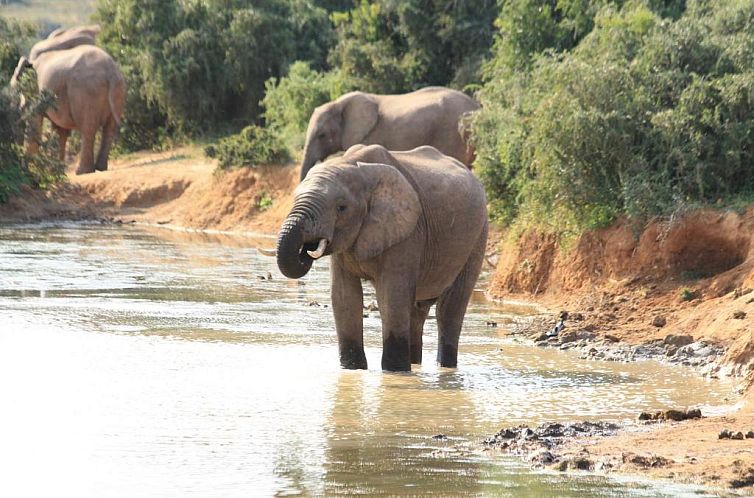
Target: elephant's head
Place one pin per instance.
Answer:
(364, 208)
(338, 125)
(63, 41)
(91, 30)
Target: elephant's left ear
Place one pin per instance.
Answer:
(393, 210)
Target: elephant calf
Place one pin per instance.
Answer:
(430, 116)
(414, 223)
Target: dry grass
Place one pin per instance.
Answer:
(49, 12)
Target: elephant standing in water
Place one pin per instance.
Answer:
(414, 223)
(430, 116)
(89, 89)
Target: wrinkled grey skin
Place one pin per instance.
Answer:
(89, 88)
(413, 223)
(430, 116)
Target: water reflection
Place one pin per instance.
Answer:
(384, 425)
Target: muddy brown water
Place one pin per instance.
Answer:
(145, 362)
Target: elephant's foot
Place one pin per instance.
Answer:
(353, 358)
(84, 171)
(447, 355)
(100, 166)
(396, 356)
(416, 354)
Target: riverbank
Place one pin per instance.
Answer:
(678, 291)
(178, 188)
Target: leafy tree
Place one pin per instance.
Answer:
(199, 66)
(387, 46)
(290, 101)
(14, 36)
(649, 110)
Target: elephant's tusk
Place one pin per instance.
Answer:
(320, 249)
(267, 252)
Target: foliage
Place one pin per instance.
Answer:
(644, 113)
(16, 168)
(12, 174)
(687, 294)
(200, 66)
(253, 146)
(14, 36)
(290, 101)
(391, 47)
(265, 201)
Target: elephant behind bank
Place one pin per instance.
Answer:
(414, 223)
(430, 116)
(89, 89)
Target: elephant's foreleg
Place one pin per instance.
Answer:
(109, 132)
(86, 156)
(347, 303)
(396, 294)
(418, 316)
(451, 306)
(63, 135)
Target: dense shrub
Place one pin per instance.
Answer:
(14, 36)
(196, 67)
(290, 101)
(252, 147)
(12, 173)
(643, 114)
(16, 168)
(391, 47)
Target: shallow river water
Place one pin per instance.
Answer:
(145, 362)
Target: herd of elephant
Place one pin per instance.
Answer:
(399, 208)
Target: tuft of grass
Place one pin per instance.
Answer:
(687, 294)
(49, 14)
(264, 202)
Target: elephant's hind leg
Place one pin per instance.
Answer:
(109, 132)
(86, 156)
(63, 135)
(418, 315)
(451, 306)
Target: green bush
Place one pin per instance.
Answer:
(200, 67)
(643, 115)
(290, 101)
(14, 36)
(392, 47)
(252, 147)
(16, 168)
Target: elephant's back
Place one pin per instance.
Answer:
(436, 105)
(82, 62)
(448, 189)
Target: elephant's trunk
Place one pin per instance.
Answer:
(311, 156)
(293, 260)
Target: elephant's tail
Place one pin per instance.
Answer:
(112, 87)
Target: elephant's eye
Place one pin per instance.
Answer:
(342, 208)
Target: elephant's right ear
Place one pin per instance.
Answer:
(392, 213)
(360, 114)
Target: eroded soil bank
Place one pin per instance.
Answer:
(679, 290)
